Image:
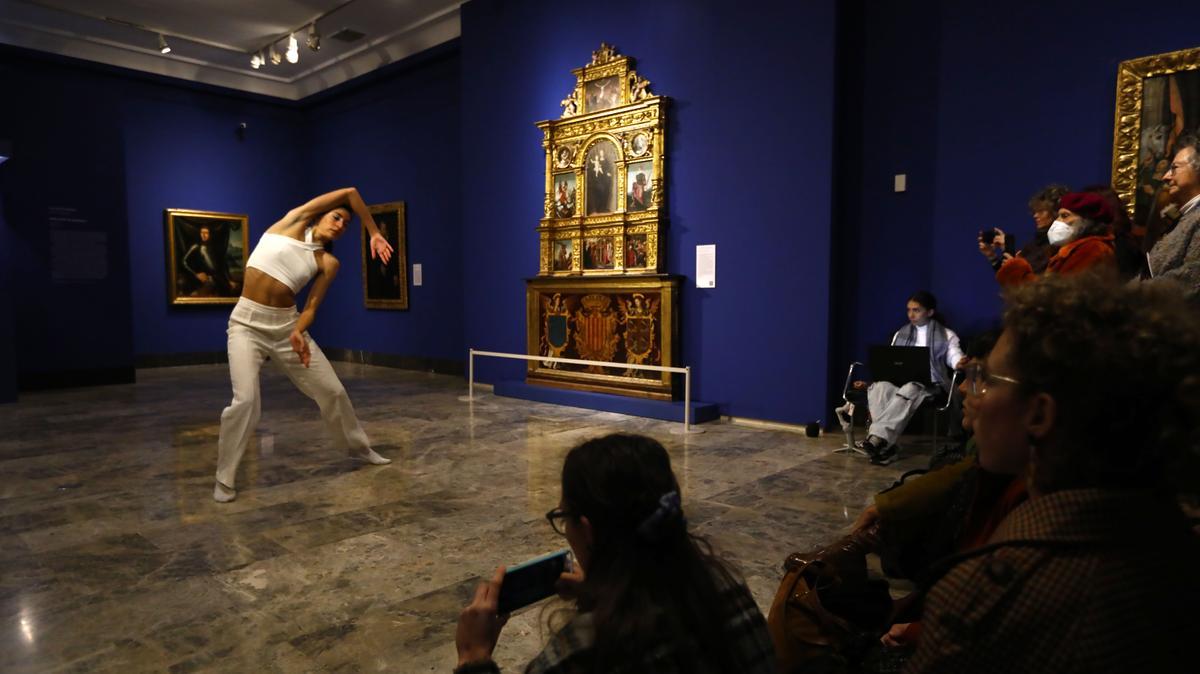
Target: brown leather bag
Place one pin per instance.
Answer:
(803, 628)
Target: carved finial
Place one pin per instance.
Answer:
(570, 105)
(604, 54)
(639, 87)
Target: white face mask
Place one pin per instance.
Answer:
(1059, 233)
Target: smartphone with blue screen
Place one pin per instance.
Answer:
(532, 581)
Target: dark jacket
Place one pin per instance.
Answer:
(1087, 580)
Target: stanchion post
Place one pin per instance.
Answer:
(471, 376)
(687, 399)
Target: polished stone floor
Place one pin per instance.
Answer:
(114, 557)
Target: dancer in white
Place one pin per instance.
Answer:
(265, 323)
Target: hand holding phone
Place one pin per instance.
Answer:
(532, 581)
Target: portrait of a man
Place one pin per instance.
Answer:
(208, 256)
(385, 286)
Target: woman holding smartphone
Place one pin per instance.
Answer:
(648, 594)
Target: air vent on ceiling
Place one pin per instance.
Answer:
(348, 35)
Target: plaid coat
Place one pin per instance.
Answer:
(1081, 581)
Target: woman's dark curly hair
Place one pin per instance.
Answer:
(1123, 366)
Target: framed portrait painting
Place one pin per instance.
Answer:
(206, 256)
(385, 286)
(1158, 102)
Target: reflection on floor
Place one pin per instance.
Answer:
(114, 557)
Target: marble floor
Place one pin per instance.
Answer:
(114, 557)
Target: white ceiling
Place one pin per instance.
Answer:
(212, 40)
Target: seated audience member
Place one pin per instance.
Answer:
(1094, 390)
(652, 596)
(1043, 206)
(1177, 254)
(1082, 234)
(892, 407)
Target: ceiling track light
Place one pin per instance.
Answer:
(314, 38)
(256, 60)
(162, 44)
(293, 49)
(276, 59)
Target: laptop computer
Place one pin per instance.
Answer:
(899, 364)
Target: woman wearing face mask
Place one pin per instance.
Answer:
(1083, 234)
(652, 598)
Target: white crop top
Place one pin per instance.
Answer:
(291, 262)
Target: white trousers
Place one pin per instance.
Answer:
(893, 407)
(257, 331)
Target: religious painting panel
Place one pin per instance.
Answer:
(564, 194)
(599, 252)
(638, 195)
(602, 93)
(600, 169)
(636, 251)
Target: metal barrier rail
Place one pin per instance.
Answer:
(685, 371)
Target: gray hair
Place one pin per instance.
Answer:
(1194, 143)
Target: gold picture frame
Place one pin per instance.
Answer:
(386, 286)
(605, 162)
(1158, 100)
(206, 256)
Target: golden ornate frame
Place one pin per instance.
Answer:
(636, 125)
(174, 221)
(1127, 126)
(385, 212)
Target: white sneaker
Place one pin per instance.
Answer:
(223, 494)
(370, 457)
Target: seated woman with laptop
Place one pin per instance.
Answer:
(894, 403)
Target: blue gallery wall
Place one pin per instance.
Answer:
(888, 63)
(182, 150)
(1026, 97)
(396, 140)
(749, 166)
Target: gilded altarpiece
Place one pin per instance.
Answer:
(601, 292)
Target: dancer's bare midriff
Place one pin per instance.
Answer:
(262, 288)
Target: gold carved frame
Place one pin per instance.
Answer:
(386, 286)
(1127, 126)
(185, 261)
(612, 104)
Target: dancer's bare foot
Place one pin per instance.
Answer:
(370, 457)
(223, 494)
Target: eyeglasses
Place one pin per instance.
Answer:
(978, 378)
(1175, 167)
(556, 518)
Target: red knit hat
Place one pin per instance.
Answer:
(1087, 205)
